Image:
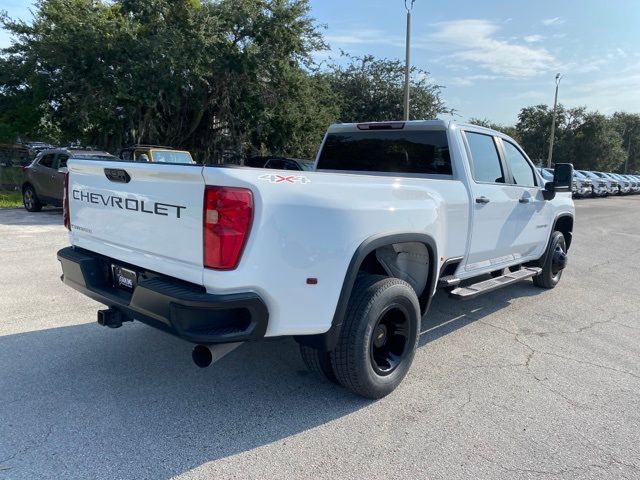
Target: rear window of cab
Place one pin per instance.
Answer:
(401, 151)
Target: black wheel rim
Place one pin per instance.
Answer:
(390, 340)
(559, 259)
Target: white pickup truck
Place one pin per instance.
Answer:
(345, 258)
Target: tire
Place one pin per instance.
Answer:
(30, 199)
(551, 273)
(379, 336)
(318, 362)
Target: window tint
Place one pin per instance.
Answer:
(485, 159)
(291, 166)
(520, 168)
(387, 151)
(276, 164)
(47, 160)
(62, 161)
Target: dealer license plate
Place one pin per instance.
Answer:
(124, 278)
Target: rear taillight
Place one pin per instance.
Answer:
(65, 203)
(228, 213)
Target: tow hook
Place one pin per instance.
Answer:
(112, 318)
(205, 355)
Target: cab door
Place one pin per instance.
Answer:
(495, 211)
(533, 211)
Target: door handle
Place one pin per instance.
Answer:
(525, 200)
(482, 200)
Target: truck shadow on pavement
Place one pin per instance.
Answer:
(446, 315)
(128, 403)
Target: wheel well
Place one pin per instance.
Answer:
(408, 261)
(564, 224)
(367, 259)
(25, 185)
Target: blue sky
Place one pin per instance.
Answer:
(493, 57)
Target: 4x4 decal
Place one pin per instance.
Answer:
(275, 178)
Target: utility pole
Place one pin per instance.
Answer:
(553, 122)
(408, 5)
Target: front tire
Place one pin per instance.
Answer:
(554, 262)
(379, 336)
(30, 199)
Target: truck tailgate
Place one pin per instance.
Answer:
(145, 214)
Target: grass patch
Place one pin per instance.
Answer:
(10, 177)
(10, 199)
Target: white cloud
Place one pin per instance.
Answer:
(363, 37)
(533, 38)
(607, 94)
(475, 41)
(549, 22)
(471, 80)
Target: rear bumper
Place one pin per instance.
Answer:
(177, 307)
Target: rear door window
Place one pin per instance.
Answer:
(61, 161)
(485, 161)
(47, 160)
(402, 151)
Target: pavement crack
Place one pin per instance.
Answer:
(26, 449)
(527, 364)
(598, 365)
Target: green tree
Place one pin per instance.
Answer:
(506, 129)
(210, 75)
(597, 144)
(371, 89)
(628, 126)
(534, 131)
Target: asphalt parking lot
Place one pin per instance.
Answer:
(520, 384)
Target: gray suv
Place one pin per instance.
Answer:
(44, 177)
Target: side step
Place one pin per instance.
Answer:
(472, 291)
(449, 281)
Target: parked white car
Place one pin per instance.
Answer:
(599, 186)
(635, 183)
(346, 258)
(624, 184)
(582, 185)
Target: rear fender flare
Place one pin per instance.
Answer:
(327, 341)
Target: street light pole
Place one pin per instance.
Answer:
(553, 122)
(408, 4)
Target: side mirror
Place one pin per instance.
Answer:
(549, 191)
(563, 177)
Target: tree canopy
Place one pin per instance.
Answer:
(227, 78)
(219, 77)
(372, 89)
